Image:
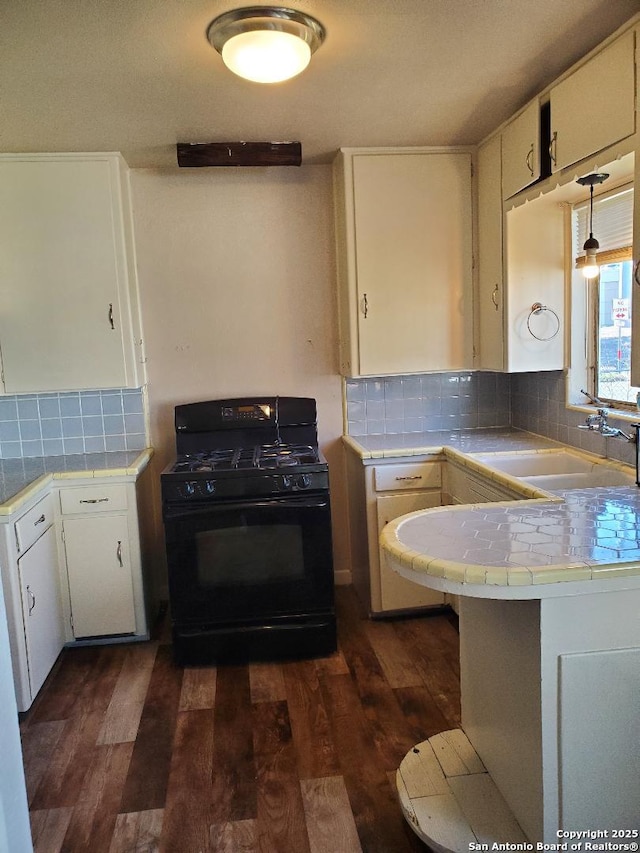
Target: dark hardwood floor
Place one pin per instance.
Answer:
(126, 752)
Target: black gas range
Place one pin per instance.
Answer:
(248, 532)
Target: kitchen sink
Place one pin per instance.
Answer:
(558, 469)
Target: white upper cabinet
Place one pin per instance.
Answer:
(521, 151)
(520, 266)
(69, 317)
(491, 296)
(404, 234)
(594, 107)
(534, 240)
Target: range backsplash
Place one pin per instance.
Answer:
(73, 422)
(431, 401)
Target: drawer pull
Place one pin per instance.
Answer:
(93, 500)
(119, 554)
(39, 520)
(414, 477)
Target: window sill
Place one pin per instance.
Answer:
(626, 415)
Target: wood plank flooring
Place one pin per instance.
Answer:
(126, 752)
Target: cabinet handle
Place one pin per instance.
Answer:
(119, 554)
(93, 500)
(32, 602)
(494, 296)
(111, 315)
(39, 520)
(415, 477)
(636, 273)
(553, 146)
(529, 160)
(365, 306)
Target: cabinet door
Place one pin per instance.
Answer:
(40, 589)
(490, 277)
(397, 593)
(521, 151)
(99, 571)
(413, 265)
(65, 321)
(595, 106)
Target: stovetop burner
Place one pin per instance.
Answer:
(263, 456)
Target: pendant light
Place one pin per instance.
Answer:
(591, 245)
(265, 44)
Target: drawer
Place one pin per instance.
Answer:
(33, 524)
(416, 475)
(94, 498)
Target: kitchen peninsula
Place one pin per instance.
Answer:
(549, 598)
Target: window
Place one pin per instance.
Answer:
(609, 295)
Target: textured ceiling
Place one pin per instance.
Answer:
(137, 76)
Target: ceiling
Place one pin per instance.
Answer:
(137, 76)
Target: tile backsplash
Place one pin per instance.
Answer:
(538, 405)
(73, 422)
(431, 401)
(466, 400)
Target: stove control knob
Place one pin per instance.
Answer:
(190, 488)
(210, 487)
(303, 481)
(287, 482)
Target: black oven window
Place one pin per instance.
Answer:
(249, 555)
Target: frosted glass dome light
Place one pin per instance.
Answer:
(265, 44)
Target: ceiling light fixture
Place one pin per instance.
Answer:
(591, 245)
(265, 44)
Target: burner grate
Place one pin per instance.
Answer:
(264, 456)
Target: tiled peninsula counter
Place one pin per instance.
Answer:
(549, 598)
(70, 557)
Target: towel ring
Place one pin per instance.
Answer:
(538, 308)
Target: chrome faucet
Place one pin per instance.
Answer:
(599, 423)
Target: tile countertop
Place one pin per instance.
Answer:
(21, 478)
(466, 441)
(548, 544)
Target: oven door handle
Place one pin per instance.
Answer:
(191, 510)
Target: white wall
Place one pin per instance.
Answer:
(237, 282)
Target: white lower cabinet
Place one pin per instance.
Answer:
(461, 485)
(31, 586)
(396, 592)
(378, 494)
(99, 572)
(41, 610)
(101, 552)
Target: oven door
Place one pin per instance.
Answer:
(247, 560)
